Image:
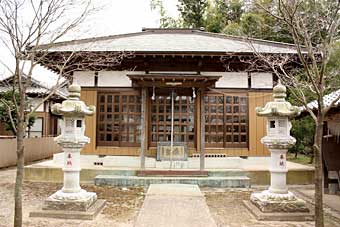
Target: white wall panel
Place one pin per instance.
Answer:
(35, 102)
(261, 80)
(230, 79)
(84, 78)
(114, 79)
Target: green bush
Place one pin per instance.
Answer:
(303, 130)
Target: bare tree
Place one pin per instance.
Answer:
(314, 27)
(24, 26)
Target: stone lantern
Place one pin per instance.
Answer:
(278, 113)
(71, 198)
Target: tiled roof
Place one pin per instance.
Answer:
(36, 89)
(41, 85)
(327, 99)
(30, 90)
(173, 40)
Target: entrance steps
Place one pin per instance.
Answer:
(172, 173)
(234, 178)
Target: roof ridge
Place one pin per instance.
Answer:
(173, 29)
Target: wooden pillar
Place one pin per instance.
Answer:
(202, 132)
(143, 129)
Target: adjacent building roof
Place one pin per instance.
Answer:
(172, 40)
(36, 88)
(327, 99)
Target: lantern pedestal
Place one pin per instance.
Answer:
(71, 197)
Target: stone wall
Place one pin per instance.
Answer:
(35, 149)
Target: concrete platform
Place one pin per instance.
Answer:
(90, 214)
(256, 168)
(277, 216)
(174, 205)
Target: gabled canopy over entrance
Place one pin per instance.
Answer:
(172, 80)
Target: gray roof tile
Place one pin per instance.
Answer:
(327, 99)
(173, 41)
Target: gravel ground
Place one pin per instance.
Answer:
(121, 208)
(228, 210)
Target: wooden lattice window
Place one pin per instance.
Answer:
(184, 119)
(226, 120)
(119, 119)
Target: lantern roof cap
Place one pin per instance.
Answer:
(279, 107)
(73, 106)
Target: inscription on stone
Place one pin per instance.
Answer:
(69, 160)
(179, 151)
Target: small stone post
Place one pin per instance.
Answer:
(278, 113)
(74, 201)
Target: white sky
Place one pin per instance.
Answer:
(125, 16)
(114, 17)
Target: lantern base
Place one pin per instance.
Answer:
(80, 201)
(277, 216)
(90, 214)
(80, 205)
(268, 202)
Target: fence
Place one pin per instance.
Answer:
(35, 149)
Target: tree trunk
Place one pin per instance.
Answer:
(20, 162)
(311, 160)
(319, 217)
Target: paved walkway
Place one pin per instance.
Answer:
(174, 205)
(331, 202)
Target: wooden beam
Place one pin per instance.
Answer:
(143, 129)
(202, 133)
(198, 121)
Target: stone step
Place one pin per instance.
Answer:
(172, 173)
(198, 173)
(132, 181)
(227, 173)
